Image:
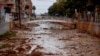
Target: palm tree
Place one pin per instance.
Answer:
(34, 8)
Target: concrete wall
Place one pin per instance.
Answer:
(4, 27)
(89, 27)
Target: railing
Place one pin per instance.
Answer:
(49, 17)
(11, 2)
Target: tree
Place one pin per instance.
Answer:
(57, 8)
(68, 7)
(33, 13)
(34, 8)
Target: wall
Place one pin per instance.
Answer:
(4, 27)
(89, 27)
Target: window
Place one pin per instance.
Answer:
(26, 7)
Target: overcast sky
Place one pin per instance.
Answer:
(42, 5)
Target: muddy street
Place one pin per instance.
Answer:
(50, 39)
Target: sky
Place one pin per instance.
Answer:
(42, 5)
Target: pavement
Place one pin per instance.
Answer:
(45, 38)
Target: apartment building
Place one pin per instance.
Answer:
(28, 8)
(15, 10)
(25, 10)
(7, 8)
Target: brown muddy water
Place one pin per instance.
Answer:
(50, 39)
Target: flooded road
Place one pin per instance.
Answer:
(51, 39)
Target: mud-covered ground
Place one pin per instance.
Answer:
(50, 39)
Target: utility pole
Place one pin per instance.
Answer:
(19, 12)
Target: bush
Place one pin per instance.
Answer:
(4, 46)
(8, 34)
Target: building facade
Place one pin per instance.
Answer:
(28, 8)
(14, 10)
(23, 11)
(7, 8)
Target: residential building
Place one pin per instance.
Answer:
(14, 10)
(6, 10)
(28, 8)
(25, 7)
